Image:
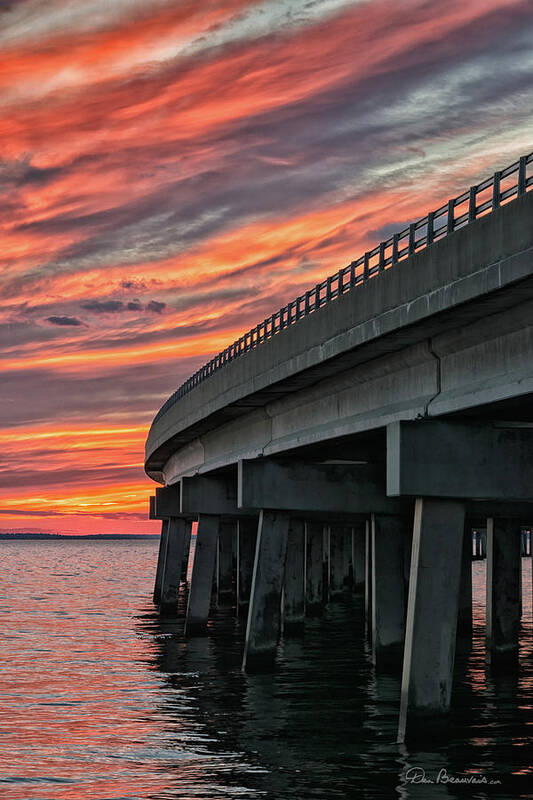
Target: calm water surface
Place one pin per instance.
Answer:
(102, 701)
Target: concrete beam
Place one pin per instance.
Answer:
(210, 494)
(301, 487)
(438, 458)
(167, 501)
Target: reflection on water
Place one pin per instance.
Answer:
(101, 700)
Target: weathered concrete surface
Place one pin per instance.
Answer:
(264, 616)
(504, 569)
(433, 603)
(203, 569)
(444, 458)
(307, 487)
(389, 338)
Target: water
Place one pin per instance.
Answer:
(102, 701)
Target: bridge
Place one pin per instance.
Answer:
(354, 439)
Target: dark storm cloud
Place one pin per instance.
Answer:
(104, 306)
(74, 321)
(155, 306)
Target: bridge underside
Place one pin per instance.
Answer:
(363, 461)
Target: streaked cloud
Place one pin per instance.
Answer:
(172, 173)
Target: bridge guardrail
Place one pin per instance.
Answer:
(477, 201)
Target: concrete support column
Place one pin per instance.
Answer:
(503, 591)
(483, 547)
(368, 574)
(326, 532)
(464, 614)
(388, 588)
(203, 569)
(294, 586)
(358, 558)
(186, 551)
(170, 583)
(264, 616)
(161, 561)
(339, 560)
(314, 583)
(225, 564)
(246, 538)
(433, 602)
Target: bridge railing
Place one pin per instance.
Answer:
(477, 201)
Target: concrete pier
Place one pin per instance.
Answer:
(203, 569)
(246, 539)
(314, 575)
(264, 616)
(388, 589)
(339, 551)
(358, 558)
(433, 603)
(224, 579)
(294, 585)
(161, 561)
(171, 577)
(464, 614)
(503, 592)
(368, 575)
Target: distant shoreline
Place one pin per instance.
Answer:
(56, 536)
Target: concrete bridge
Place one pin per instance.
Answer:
(369, 425)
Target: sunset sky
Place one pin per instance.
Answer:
(172, 172)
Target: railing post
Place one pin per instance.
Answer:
(328, 289)
(522, 176)
(366, 267)
(381, 263)
(340, 279)
(395, 240)
(496, 189)
(306, 303)
(430, 233)
(472, 204)
(450, 224)
(412, 238)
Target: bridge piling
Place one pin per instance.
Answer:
(224, 572)
(203, 569)
(338, 560)
(294, 585)
(160, 561)
(246, 539)
(388, 589)
(433, 603)
(314, 583)
(264, 616)
(171, 573)
(464, 614)
(504, 568)
(358, 558)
